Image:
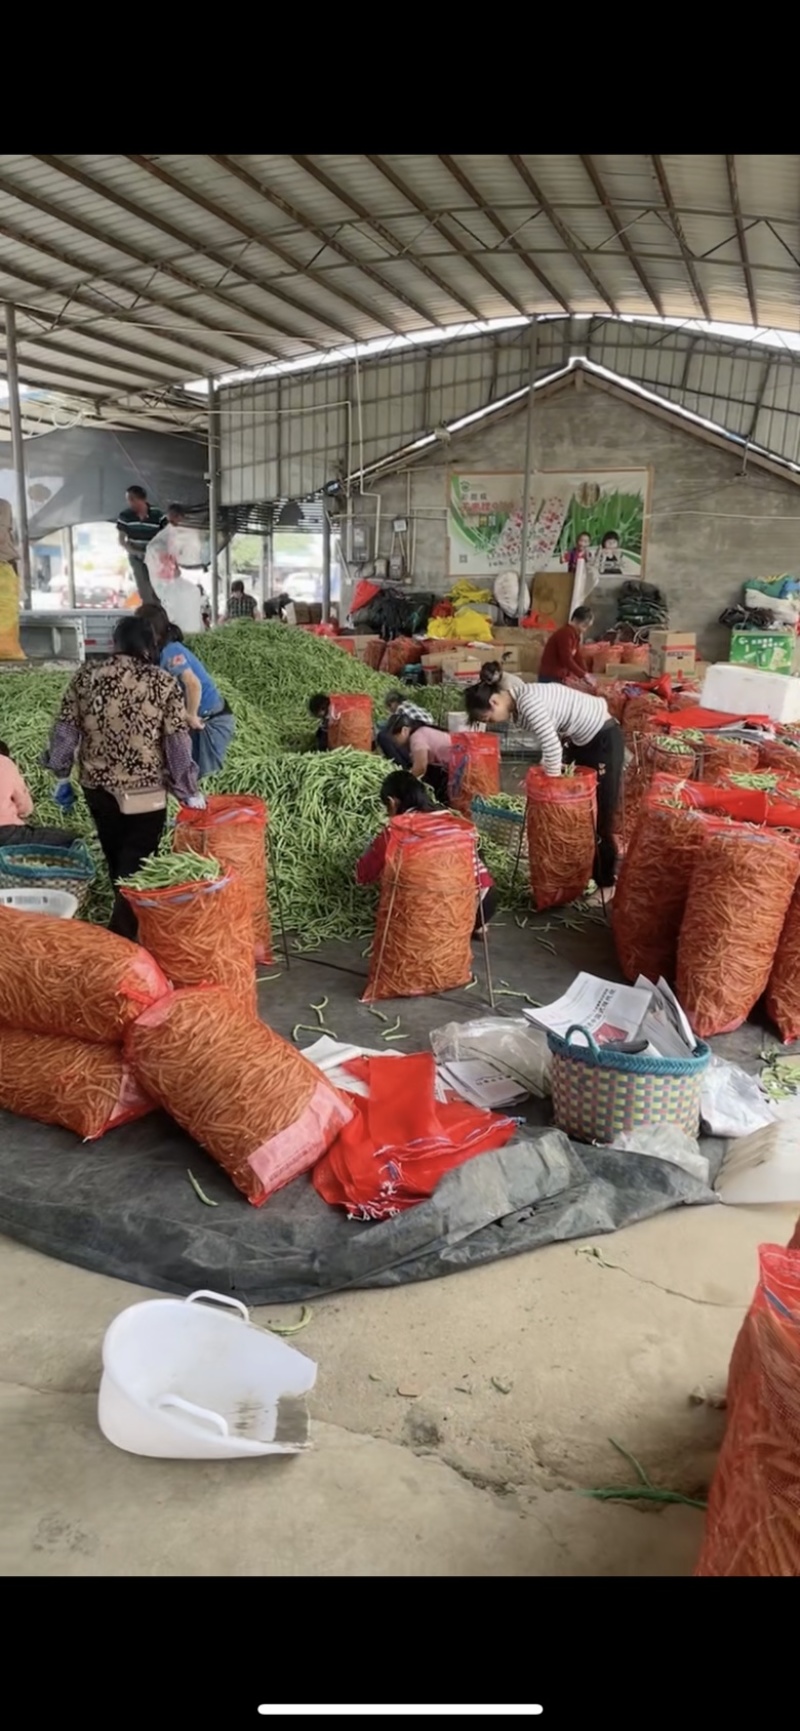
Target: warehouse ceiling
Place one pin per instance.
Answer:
(133, 274)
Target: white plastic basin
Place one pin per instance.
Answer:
(184, 1380)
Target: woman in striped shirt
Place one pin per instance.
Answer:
(568, 726)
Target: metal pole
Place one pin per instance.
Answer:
(262, 574)
(213, 496)
(18, 452)
(522, 601)
(69, 552)
(326, 565)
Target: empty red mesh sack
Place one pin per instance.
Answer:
(474, 770)
(86, 1088)
(652, 887)
(68, 977)
(739, 895)
(753, 1520)
(561, 824)
(201, 934)
(258, 1107)
(233, 830)
(427, 907)
(350, 721)
(401, 1140)
(719, 755)
(783, 988)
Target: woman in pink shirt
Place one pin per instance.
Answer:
(16, 806)
(429, 749)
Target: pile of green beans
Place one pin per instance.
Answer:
(165, 871)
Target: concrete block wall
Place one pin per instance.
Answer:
(711, 529)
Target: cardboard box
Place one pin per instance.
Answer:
(771, 651)
(665, 661)
(507, 654)
(528, 644)
(738, 690)
(673, 640)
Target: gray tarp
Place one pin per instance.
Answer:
(81, 475)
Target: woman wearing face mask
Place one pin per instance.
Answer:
(403, 792)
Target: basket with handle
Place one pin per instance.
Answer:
(28, 866)
(598, 1093)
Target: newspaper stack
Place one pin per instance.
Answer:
(643, 1015)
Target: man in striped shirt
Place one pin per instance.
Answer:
(136, 528)
(568, 726)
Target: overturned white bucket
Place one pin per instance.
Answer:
(184, 1381)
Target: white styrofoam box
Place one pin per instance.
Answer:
(457, 721)
(750, 691)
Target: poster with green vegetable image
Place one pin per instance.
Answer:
(603, 514)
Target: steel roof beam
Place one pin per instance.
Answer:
(620, 234)
(335, 245)
(398, 251)
(733, 188)
(680, 237)
(562, 231)
(452, 239)
(472, 192)
(162, 267)
(265, 241)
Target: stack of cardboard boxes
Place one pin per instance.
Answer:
(672, 652)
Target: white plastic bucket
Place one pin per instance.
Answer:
(183, 1381)
(59, 903)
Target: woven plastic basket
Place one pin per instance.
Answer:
(30, 867)
(599, 1093)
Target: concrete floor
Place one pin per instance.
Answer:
(456, 1422)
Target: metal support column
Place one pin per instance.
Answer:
(522, 602)
(262, 572)
(18, 452)
(326, 565)
(213, 495)
(69, 561)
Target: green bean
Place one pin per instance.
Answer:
(199, 1192)
(170, 870)
(392, 1030)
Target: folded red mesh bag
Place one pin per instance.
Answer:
(259, 1108)
(401, 1140)
(68, 977)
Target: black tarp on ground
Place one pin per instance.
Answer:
(125, 1207)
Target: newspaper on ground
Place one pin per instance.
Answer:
(481, 1084)
(613, 1014)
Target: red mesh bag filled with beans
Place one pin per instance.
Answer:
(739, 895)
(561, 823)
(350, 721)
(783, 988)
(68, 977)
(372, 653)
(635, 654)
(613, 652)
(616, 697)
(401, 652)
(654, 754)
(474, 771)
(84, 1087)
(778, 755)
(257, 1106)
(752, 1525)
(427, 908)
(233, 830)
(640, 713)
(201, 934)
(652, 887)
(718, 756)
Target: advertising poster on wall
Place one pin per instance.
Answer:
(598, 518)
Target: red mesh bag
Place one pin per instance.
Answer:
(640, 713)
(427, 907)
(233, 830)
(613, 651)
(794, 1241)
(635, 654)
(201, 934)
(401, 652)
(753, 1520)
(616, 697)
(776, 754)
(86, 1088)
(258, 1107)
(718, 756)
(350, 721)
(68, 977)
(474, 770)
(738, 899)
(561, 824)
(372, 653)
(783, 988)
(652, 887)
(653, 756)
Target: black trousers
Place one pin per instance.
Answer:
(141, 577)
(126, 843)
(35, 835)
(606, 754)
(390, 748)
(435, 778)
(490, 902)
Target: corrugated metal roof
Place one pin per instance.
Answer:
(132, 274)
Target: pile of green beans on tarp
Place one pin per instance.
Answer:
(324, 807)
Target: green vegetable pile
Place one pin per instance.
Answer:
(324, 807)
(166, 871)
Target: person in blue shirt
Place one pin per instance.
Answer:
(210, 720)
